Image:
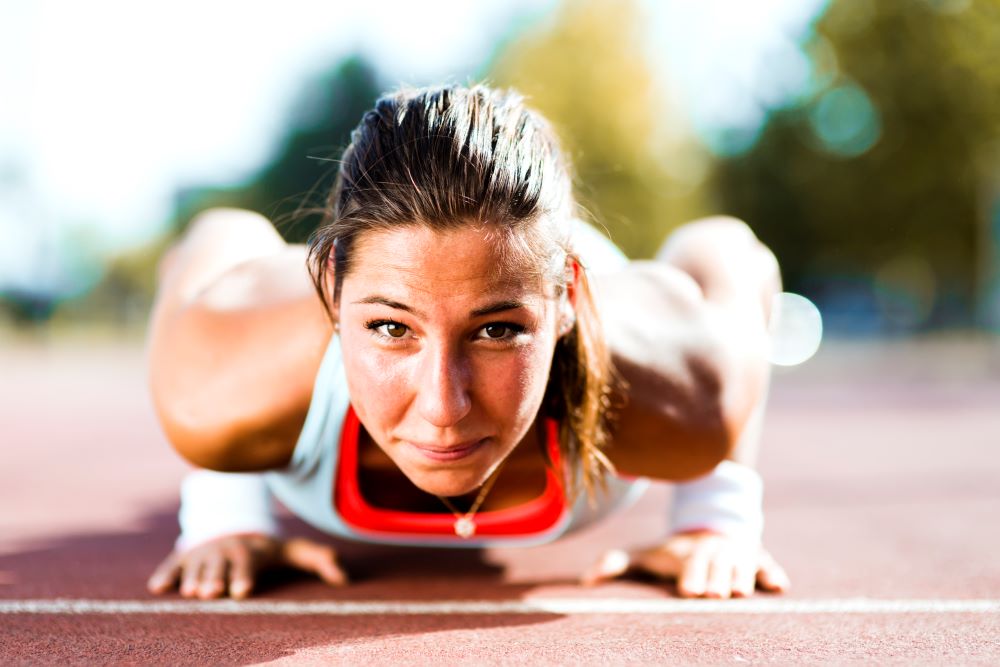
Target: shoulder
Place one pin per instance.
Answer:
(232, 372)
(677, 419)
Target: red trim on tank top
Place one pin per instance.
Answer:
(530, 518)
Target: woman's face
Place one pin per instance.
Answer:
(446, 363)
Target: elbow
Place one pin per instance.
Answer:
(706, 438)
(199, 436)
(199, 442)
(726, 388)
(209, 440)
(742, 373)
(181, 392)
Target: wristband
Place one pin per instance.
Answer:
(728, 500)
(223, 503)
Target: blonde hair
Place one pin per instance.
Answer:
(451, 156)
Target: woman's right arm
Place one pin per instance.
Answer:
(235, 344)
(236, 338)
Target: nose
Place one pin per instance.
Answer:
(443, 386)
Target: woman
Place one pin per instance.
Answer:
(455, 360)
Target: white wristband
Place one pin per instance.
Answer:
(728, 500)
(223, 503)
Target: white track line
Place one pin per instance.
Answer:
(529, 606)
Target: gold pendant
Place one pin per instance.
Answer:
(465, 527)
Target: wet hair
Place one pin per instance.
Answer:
(451, 156)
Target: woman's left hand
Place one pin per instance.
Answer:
(704, 564)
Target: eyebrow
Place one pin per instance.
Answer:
(498, 307)
(381, 300)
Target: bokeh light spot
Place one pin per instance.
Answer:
(796, 329)
(846, 121)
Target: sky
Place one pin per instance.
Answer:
(107, 106)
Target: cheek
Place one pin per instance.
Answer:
(512, 388)
(377, 383)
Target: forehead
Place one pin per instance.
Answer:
(465, 261)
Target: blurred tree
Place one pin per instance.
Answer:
(882, 172)
(295, 180)
(587, 69)
(305, 165)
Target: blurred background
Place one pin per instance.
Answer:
(860, 139)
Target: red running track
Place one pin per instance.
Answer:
(882, 469)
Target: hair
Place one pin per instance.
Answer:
(450, 156)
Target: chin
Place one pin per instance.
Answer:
(447, 483)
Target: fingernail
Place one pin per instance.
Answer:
(239, 589)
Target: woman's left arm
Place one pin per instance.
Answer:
(696, 384)
(691, 374)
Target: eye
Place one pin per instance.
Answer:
(500, 331)
(393, 329)
(387, 328)
(494, 330)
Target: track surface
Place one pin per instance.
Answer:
(883, 497)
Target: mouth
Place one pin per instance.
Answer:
(440, 453)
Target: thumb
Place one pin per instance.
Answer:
(320, 559)
(612, 564)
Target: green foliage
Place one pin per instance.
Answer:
(588, 71)
(916, 196)
(302, 172)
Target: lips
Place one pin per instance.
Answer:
(437, 452)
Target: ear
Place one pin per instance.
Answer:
(330, 279)
(567, 315)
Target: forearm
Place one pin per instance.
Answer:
(729, 499)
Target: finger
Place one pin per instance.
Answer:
(189, 577)
(612, 564)
(165, 575)
(743, 578)
(241, 573)
(213, 577)
(694, 574)
(312, 557)
(771, 576)
(719, 580)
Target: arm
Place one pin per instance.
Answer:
(233, 359)
(698, 372)
(691, 383)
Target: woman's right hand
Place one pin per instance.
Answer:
(230, 564)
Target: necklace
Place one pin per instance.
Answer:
(465, 524)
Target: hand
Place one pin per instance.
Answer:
(704, 564)
(232, 563)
